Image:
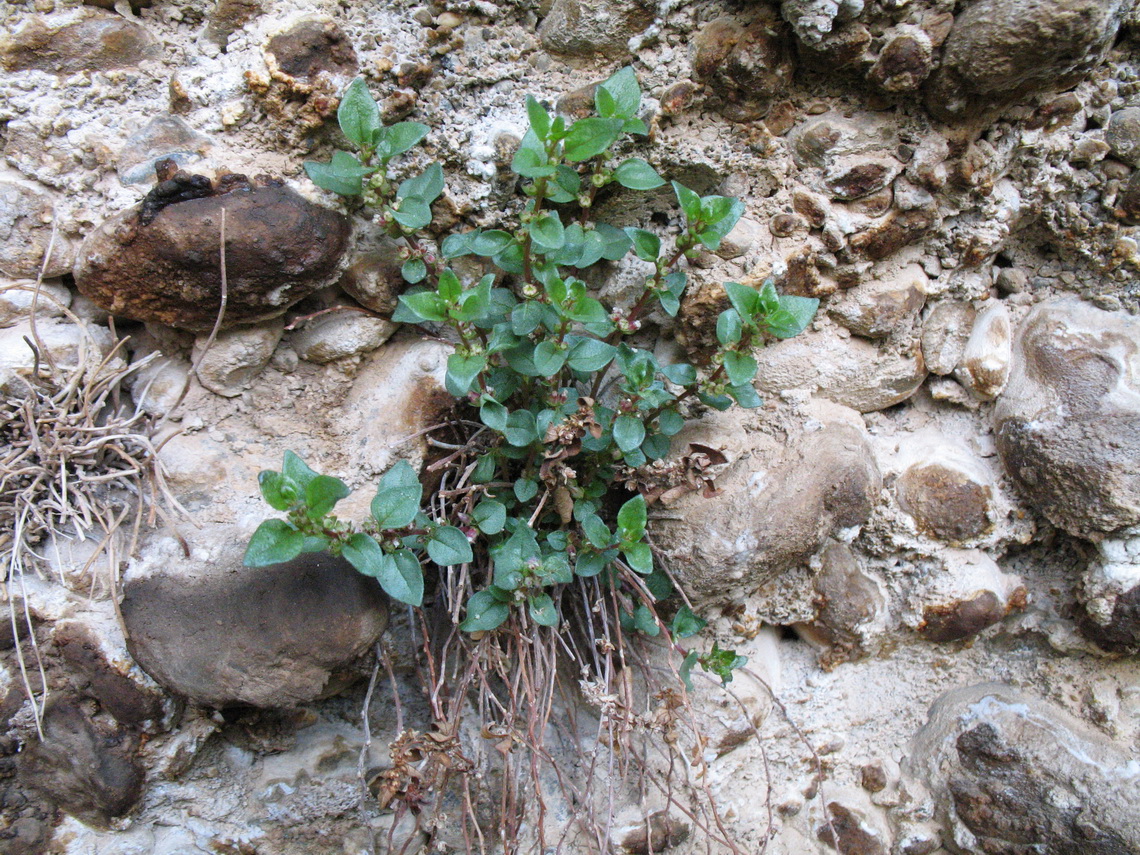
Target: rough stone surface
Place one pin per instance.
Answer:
(949, 501)
(79, 40)
(26, 217)
(163, 137)
(746, 63)
(90, 772)
(1068, 423)
(969, 595)
(279, 248)
(587, 27)
(1012, 773)
(944, 335)
(236, 357)
(773, 511)
(340, 335)
(985, 363)
(876, 309)
(17, 299)
(373, 279)
(1000, 51)
(1110, 594)
(1123, 135)
(311, 47)
(851, 607)
(219, 638)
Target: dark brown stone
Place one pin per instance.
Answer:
(848, 835)
(279, 248)
(658, 833)
(228, 16)
(117, 693)
(275, 637)
(860, 179)
(904, 62)
(958, 620)
(311, 47)
(1122, 632)
(580, 103)
(88, 40)
(873, 777)
(1128, 202)
(945, 502)
(90, 772)
(899, 230)
(746, 65)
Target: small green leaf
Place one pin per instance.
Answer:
(520, 429)
(525, 489)
(624, 94)
(590, 137)
(744, 299)
(542, 610)
(413, 270)
(273, 542)
(740, 368)
(412, 213)
(490, 516)
(539, 118)
(686, 624)
(358, 115)
(722, 663)
(343, 175)
(426, 186)
(457, 245)
(397, 497)
(670, 422)
(531, 160)
(484, 613)
(425, 306)
(548, 358)
(365, 554)
(547, 232)
(589, 564)
(681, 373)
(644, 621)
(746, 395)
(615, 242)
(659, 585)
(646, 245)
(686, 667)
(297, 470)
(493, 415)
(398, 138)
(628, 432)
(491, 242)
(636, 174)
(631, 519)
(404, 581)
(448, 546)
(589, 355)
(729, 327)
(322, 494)
(462, 372)
(690, 202)
(280, 492)
(639, 557)
(596, 531)
(793, 316)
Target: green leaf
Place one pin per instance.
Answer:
(297, 470)
(273, 542)
(721, 216)
(686, 624)
(635, 126)
(636, 174)
(462, 372)
(589, 564)
(490, 516)
(539, 118)
(398, 138)
(493, 415)
(425, 306)
(589, 355)
(631, 519)
(491, 242)
(740, 368)
(628, 432)
(548, 358)
(413, 270)
(596, 531)
(590, 137)
(397, 497)
(659, 585)
(531, 160)
(556, 568)
(547, 232)
(669, 303)
(457, 245)
(567, 182)
(681, 373)
(690, 202)
(426, 186)
(520, 429)
(450, 288)
(365, 554)
(686, 667)
(729, 327)
(448, 546)
(615, 242)
(526, 317)
(343, 175)
(412, 213)
(646, 245)
(322, 494)
(624, 95)
(280, 492)
(639, 557)
(746, 395)
(358, 115)
(484, 613)
(644, 621)
(793, 316)
(744, 299)
(670, 422)
(722, 663)
(717, 402)
(542, 610)
(404, 580)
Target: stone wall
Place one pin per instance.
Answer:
(939, 503)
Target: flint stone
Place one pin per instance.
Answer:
(1003, 51)
(311, 47)
(778, 503)
(1068, 422)
(276, 636)
(81, 40)
(374, 279)
(236, 357)
(340, 335)
(68, 345)
(904, 62)
(944, 335)
(948, 501)
(157, 386)
(588, 27)
(984, 366)
(164, 136)
(971, 594)
(26, 216)
(747, 64)
(228, 16)
(279, 249)
(851, 607)
(878, 308)
(1110, 595)
(17, 299)
(90, 772)
(1013, 774)
(852, 371)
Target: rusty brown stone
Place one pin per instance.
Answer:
(746, 64)
(279, 248)
(903, 64)
(311, 47)
(885, 239)
(945, 502)
(88, 40)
